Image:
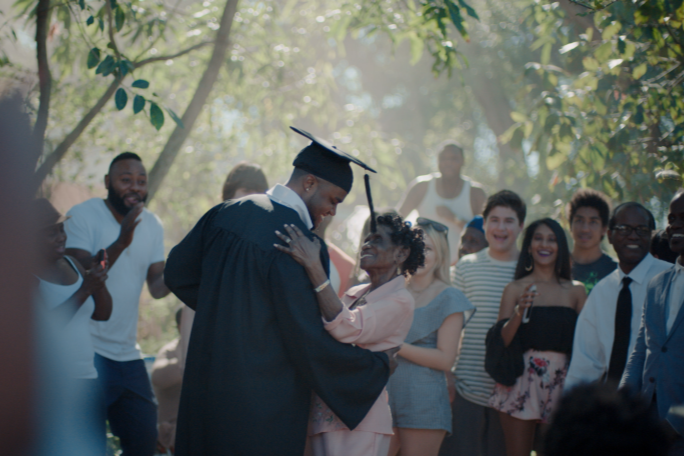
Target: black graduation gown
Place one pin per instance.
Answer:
(258, 346)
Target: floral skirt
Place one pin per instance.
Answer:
(537, 391)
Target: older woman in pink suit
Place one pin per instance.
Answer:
(375, 316)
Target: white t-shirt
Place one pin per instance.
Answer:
(93, 227)
(76, 333)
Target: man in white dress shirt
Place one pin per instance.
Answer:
(630, 233)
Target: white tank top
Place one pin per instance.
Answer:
(76, 333)
(460, 206)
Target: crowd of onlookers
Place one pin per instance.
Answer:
(505, 340)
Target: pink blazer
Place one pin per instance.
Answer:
(380, 324)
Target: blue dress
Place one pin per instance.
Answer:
(418, 395)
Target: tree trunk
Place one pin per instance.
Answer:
(172, 147)
(44, 76)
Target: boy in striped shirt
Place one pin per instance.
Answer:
(482, 277)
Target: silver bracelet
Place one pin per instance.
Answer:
(322, 286)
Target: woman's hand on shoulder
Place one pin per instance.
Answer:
(304, 251)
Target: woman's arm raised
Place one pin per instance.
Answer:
(513, 305)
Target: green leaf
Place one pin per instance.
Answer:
(156, 116)
(93, 58)
(640, 70)
(123, 68)
(518, 116)
(138, 104)
(622, 46)
(81, 3)
(457, 19)
(569, 47)
(611, 30)
(106, 66)
(603, 52)
(140, 84)
(113, 4)
(90, 20)
(471, 12)
(119, 18)
(121, 98)
(101, 24)
(550, 122)
(175, 118)
(639, 116)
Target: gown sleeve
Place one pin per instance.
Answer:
(503, 364)
(348, 379)
(183, 269)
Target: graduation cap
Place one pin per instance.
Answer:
(326, 161)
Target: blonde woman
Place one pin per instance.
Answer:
(418, 395)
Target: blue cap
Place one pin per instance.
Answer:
(477, 222)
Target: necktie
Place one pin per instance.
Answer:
(623, 329)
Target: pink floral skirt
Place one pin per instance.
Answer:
(537, 391)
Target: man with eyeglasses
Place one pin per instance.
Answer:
(607, 328)
(656, 365)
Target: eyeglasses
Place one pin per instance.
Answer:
(422, 221)
(626, 230)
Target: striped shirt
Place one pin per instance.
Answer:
(482, 279)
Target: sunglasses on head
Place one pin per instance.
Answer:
(422, 221)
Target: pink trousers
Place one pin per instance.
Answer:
(348, 443)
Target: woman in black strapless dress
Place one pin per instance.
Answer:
(529, 359)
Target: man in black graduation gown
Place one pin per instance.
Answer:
(258, 347)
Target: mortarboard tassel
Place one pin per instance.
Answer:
(373, 223)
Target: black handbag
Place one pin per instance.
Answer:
(503, 364)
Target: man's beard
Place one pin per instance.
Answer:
(118, 202)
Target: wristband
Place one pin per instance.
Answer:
(322, 286)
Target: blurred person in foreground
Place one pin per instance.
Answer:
(588, 212)
(167, 379)
(597, 420)
(660, 247)
(482, 277)
(243, 180)
(376, 316)
(418, 394)
(447, 196)
(23, 375)
(259, 348)
(473, 239)
(73, 297)
(656, 365)
(134, 240)
(607, 328)
(529, 358)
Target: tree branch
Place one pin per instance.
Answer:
(110, 23)
(52, 159)
(44, 76)
(204, 86)
(172, 56)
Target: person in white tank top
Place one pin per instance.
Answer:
(446, 196)
(72, 297)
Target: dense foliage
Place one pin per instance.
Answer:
(545, 96)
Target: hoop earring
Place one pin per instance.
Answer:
(531, 266)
